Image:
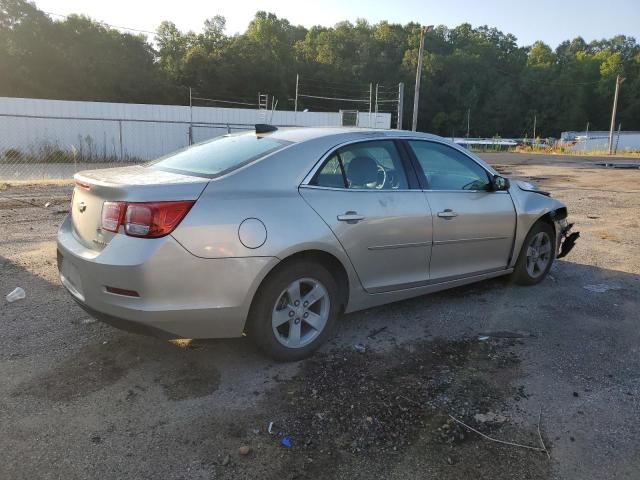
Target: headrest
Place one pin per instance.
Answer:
(362, 171)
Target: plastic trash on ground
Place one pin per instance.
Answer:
(286, 441)
(17, 294)
(360, 347)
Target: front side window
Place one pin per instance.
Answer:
(445, 168)
(374, 165)
(220, 155)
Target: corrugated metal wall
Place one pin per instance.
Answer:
(96, 131)
(598, 141)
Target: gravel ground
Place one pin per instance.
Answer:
(80, 399)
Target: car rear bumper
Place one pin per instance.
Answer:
(179, 294)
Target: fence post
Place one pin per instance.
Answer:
(120, 133)
(400, 105)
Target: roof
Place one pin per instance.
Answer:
(302, 134)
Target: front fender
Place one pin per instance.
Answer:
(530, 207)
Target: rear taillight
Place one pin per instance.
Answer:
(112, 215)
(147, 220)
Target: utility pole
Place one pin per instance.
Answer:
(535, 121)
(370, 101)
(190, 118)
(416, 94)
(468, 121)
(376, 102)
(619, 80)
(375, 117)
(295, 104)
(400, 103)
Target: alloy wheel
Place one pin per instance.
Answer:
(538, 254)
(300, 313)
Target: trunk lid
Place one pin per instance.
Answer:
(126, 184)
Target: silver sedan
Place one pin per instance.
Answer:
(279, 231)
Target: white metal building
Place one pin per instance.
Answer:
(598, 141)
(97, 131)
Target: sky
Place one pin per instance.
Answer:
(551, 21)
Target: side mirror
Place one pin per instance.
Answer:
(500, 184)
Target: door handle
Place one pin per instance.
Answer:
(350, 217)
(447, 214)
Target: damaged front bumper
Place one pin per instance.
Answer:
(566, 239)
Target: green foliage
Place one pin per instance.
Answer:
(481, 69)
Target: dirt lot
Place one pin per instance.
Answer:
(79, 399)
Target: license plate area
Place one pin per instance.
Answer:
(70, 276)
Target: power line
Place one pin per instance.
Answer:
(104, 23)
(213, 100)
(329, 82)
(336, 99)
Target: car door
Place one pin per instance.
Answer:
(378, 213)
(473, 226)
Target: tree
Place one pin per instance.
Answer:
(466, 67)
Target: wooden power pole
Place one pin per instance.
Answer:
(416, 94)
(619, 80)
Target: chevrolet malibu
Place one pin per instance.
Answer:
(276, 232)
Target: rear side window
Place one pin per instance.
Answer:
(220, 155)
(445, 168)
(372, 165)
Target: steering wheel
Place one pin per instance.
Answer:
(382, 178)
(474, 185)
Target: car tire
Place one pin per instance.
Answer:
(536, 255)
(289, 331)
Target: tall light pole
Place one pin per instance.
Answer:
(416, 94)
(619, 80)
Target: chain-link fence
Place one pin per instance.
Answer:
(52, 140)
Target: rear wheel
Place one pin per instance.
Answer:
(295, 311)
(536, 256)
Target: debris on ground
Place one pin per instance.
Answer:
(87, 321)
(16, 294)
(347, 408)
(360, 347)
(504, 334)
(244, 450)
(380, 401)
(489, 417)
(543, 448)
(483, 338)
(47, 205)
(600, 287)
(376, 331)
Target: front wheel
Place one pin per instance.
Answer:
(536, 256)
(295, 311)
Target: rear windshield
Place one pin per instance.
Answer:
(219, 156)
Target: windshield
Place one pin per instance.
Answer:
(219, 156)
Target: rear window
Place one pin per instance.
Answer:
(219, 156)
